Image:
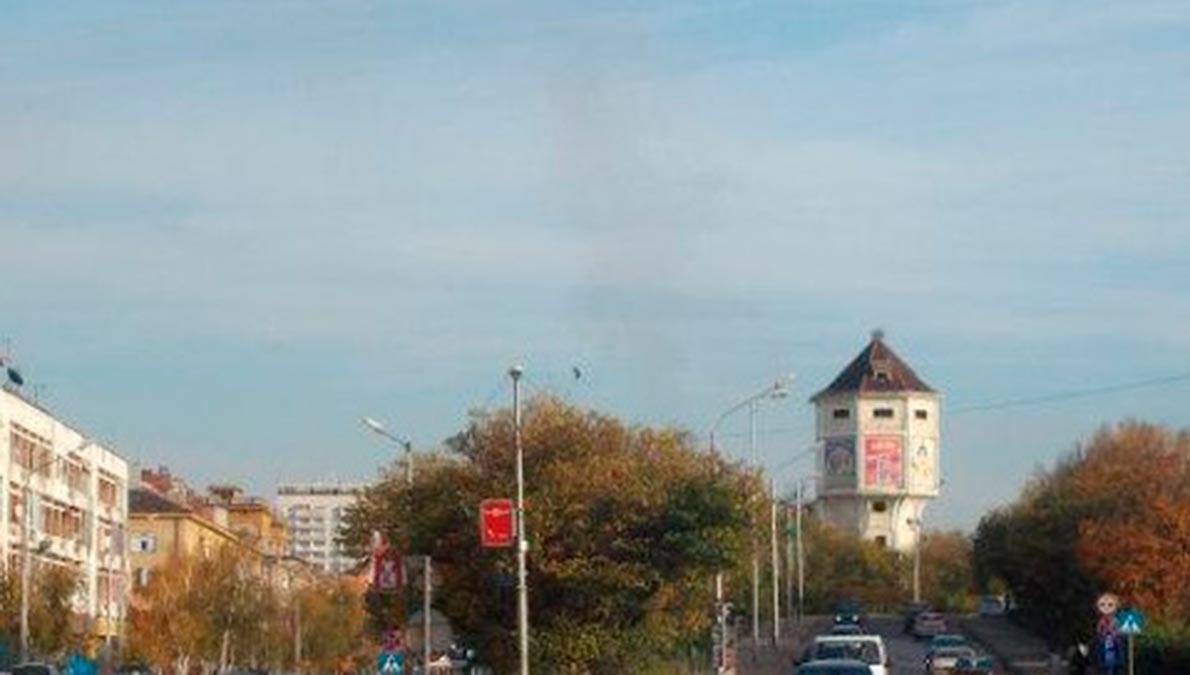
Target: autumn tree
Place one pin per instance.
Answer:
(627, 527)
(1113, 515)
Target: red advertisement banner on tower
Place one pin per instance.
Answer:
(883, 462)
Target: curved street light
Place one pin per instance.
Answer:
(379, 429)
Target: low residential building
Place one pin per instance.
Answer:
(315, 514)
(63, 495)
(169, 519)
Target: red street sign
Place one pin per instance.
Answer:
(388, 574)
(496, 523)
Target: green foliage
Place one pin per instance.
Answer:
(627, 528)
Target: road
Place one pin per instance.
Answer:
(908, 655)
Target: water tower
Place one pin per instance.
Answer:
(878, 432)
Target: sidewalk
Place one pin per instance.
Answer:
(1015, 649)
(765, 659)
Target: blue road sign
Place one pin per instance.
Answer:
(1131, 621)
(391, 663)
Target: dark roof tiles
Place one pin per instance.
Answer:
(877, 369)
(144, 500)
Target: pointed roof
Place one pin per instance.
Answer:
(877, 369)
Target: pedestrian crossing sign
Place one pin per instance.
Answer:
(391, 663)
(1131, 622)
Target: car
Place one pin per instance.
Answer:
(35, 669)
(979, 665)
(869, 649)
(945, 659)
(929, 624)
(850, 612)
(847, 629)
(948, 640)
(834, 667)
(992, 605)
(911, 613)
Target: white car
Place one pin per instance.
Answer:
(945, 659)
(867, 648)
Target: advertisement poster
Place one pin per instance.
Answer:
(883, 462)
(923, 465)
(839, 463)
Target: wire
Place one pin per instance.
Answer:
(1064, 396)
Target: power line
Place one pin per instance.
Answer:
(1067, 395)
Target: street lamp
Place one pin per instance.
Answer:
(379, 429)
(777, 390)
(522, 545)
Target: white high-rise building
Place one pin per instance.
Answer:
(72, 495)
(315, 513)
(878, 433)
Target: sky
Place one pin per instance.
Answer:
(229, 230)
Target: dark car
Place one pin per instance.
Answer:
(850, 612)
(834, 667)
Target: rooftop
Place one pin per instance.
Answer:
(877, 369)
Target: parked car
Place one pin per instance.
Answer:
(929, 624)
(979, 665)
(834, 667)
(869, 649)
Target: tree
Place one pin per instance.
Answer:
(332, 623)
(1111, 516)
(627, 529)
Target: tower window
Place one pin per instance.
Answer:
(921, 414)
(883, 413)
(882, 541)
(880, 507)
(842, 413)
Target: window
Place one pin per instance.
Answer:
(144, 543)
(921, 414)
(882, 541)
(842, 413)
(880, 507)
(883, 413)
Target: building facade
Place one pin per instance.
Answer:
(879, 433)
(315, 514)
(64, 496)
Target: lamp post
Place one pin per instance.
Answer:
(379, 429)
(777, 390)
(522, 545)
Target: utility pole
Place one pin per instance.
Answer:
(752, 530)
(297, 630)
(801, 558)
(776, 563)
(522, 545)
(427, 590)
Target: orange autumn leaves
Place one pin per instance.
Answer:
(1136, 540)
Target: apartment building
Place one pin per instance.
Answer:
(315, 514)
(169, 519)
(64, 496)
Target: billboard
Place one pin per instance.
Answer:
(838, 463)
(883, 464)
(923, 465)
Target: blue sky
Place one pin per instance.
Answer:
(231, 229)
